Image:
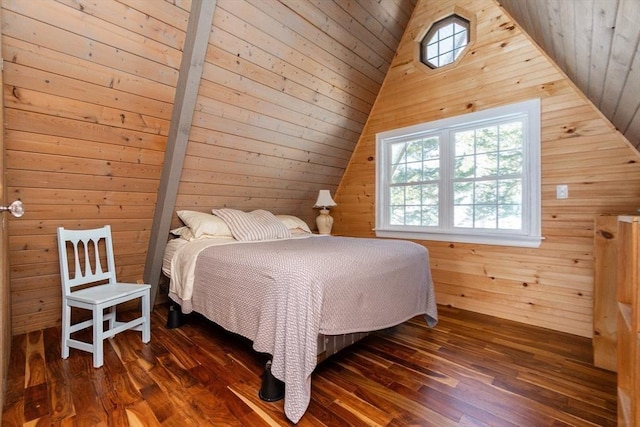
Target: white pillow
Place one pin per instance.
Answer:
(183, 232)
(201, 223)
(186, 234)
(252, 226)
(294, 224)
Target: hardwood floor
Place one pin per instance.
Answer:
(471, 370)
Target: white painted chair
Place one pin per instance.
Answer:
(97, 290)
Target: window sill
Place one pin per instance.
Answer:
(518, 241)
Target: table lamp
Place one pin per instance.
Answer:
(324, 220)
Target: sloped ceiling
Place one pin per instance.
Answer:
(596, 43)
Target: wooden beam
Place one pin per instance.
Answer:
(195, 48)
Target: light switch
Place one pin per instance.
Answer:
(562, 191)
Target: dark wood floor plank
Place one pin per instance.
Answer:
(471, 370)
(36, 402)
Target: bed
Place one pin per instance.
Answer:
(288, 290)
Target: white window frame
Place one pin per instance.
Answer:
(530, 233)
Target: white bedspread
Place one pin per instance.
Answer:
(282, 294)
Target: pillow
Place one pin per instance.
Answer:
(294, 224)
(252, 226)
(186, 234)
(201, 223)
(183, 232)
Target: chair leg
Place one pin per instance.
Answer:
(112, 316)
(98, 336)
(146, 312)
(66, 326)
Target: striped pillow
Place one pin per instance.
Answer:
(252, 226)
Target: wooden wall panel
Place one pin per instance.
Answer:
(551, 286)
(88, 95)
(286, 90)
(89, 92)
(5, 286)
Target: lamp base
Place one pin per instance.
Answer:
(324, 221)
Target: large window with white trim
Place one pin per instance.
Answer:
(473, 178)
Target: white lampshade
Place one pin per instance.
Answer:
(324, 200)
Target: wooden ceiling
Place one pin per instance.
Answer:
(596, 43)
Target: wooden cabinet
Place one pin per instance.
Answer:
(628, 346)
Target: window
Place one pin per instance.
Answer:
(445, 41)
(473, 178)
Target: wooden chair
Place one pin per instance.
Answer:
(96, 290)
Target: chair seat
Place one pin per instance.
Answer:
(104, 293)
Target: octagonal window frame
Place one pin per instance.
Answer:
(434, 29)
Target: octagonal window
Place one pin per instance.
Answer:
(445, 41)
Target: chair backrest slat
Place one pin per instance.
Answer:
(98, 266)
(93, 268)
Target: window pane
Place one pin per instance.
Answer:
(397, 195)
(511, 136)
(398, 152)
(430, 194)
(486, 165)
(397, 215)
(510, 192)
(463, 193)
(446, 45)
(510, 217)
(465, 143)
(431, 170)
(432, 51)
(413, 195)
(486, 192)
(430, 216)
(446, 31)
(413, 215)
(486, 217)
(431, 148)
(510, 162)
(460, 39)
(414, 172)
(487, 139)
(465, 167)
(414, 151)
(399, 174)
(463, 216)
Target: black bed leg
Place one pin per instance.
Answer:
(272, 389)
(175, 318)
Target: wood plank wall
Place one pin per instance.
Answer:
(5, 290)
(551, 286)
(286, 90)
(89, 90)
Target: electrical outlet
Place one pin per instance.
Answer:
(562, 192)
